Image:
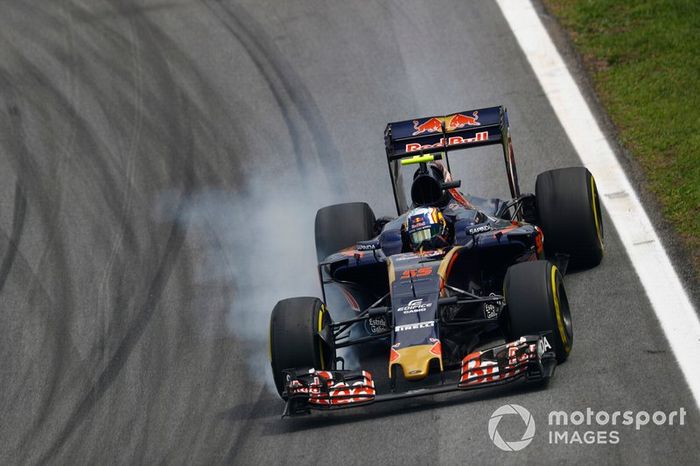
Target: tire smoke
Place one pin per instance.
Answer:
(252, 250)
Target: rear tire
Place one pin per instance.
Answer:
(295, 343)
(342, 225)
(537, 303)
(569, 214)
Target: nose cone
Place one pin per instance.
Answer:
(415, 360)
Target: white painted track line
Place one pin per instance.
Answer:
(669, 300)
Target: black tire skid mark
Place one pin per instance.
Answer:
(161, 39)
(273, 65)
(65, 103)
(85, 135)
(13, 240)
(277, 72)
(29, 177)
(283, 82)
(21, 267)
(13, 259)
(205, 171)
(102, 384)
(287, 88)
(244, 431)
(97, 168)
(214, 376)
(263, 67)
(241, 439)
(26, 159)
(208, 171)
(101, 167)
(207, 174)
(181, 141)
(18, 215)
(117, 360)
(213, 172)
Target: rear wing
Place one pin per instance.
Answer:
(412, 141)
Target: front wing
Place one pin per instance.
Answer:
(310, 389)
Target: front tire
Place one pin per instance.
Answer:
(569, 214)
(537, 303)
(295, 341)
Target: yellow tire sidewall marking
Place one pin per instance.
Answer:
(596, 214)
(557, 311)
(320, 327)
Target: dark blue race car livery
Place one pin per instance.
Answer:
(486, 307)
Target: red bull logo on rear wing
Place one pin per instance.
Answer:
(420, 139)
(444, 133)
(417, 147)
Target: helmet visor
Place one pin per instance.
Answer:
(424, 234)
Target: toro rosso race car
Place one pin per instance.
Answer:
(455, 293)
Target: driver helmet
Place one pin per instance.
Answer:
(426, 228)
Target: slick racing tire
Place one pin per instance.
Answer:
(295, 342)
(570, 217)
(342, 225)
(537, 303)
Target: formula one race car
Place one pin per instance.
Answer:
(457, 292)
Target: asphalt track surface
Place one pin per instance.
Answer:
(161, 163)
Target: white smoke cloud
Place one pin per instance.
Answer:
(249, 251)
